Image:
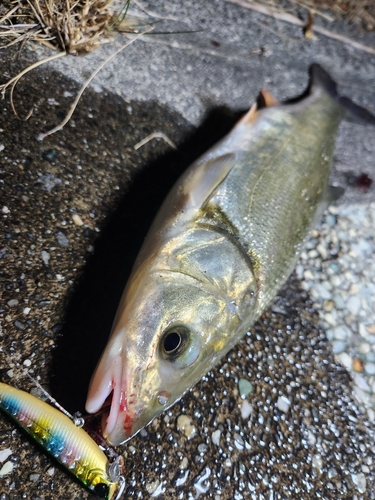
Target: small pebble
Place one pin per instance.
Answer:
(50, 155)
(328, 305)
(346, 360)
(215, 437)
(45, 256)
(19, 325)
(354, 304)
(317, 461)
(4, 454)
(6, 468)
(358, 365)
(13, 303)
(360, 482)
(283, 404)
(245, 387)
(77, 220)
(338, 346)
(34, 477)
(246, 409)
(364, 348)
(184, 424)
(370, 368)
(341, 332)
(62, 239)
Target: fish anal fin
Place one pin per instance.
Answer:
(201, 185)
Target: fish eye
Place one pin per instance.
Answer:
(101, 490)
(180, 345)
(172, 342)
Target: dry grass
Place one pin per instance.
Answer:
(80, 26)
(71, 26)
(359, 12)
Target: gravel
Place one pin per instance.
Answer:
(339, 273)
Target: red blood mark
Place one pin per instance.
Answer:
(364, 182)
(151, 355)
(128, 423)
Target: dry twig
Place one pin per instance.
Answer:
(13, 81)
(289, 18)
(155, 135)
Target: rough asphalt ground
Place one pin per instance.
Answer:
(297, 431)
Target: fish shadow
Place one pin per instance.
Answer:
(92, 301)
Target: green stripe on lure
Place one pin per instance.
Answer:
(69, 444)
(224, 242)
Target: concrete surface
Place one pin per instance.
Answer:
(319, 445)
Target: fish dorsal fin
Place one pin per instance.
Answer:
(265, 100)
(251, 115)
(203, 182)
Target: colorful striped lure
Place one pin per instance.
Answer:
(69, 444)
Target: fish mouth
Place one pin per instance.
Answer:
(109, 386)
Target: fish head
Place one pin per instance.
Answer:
(162, 343)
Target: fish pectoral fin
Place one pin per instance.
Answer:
(206, 178)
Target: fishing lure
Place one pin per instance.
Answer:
(69, 444)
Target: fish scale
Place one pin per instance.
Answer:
(273, 234)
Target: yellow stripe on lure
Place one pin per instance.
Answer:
(69, 444)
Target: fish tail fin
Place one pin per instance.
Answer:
(353, 112)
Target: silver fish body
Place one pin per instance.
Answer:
(224, 242)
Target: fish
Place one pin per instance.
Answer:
(68, 443)
(224, 242)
